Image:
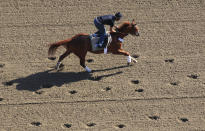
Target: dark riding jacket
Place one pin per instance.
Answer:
(107, 20)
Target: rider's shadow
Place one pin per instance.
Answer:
(48, 79)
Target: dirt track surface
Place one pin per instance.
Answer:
(164, 91)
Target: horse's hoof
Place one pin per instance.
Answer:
(89, 71)
(51, 58)
(57, 68)
(135, 61)
(90, 60)
(60, 67)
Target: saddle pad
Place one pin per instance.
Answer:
(94, 41)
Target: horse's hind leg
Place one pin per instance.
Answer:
(61, 58)
(82, 61)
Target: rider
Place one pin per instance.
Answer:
(100, 21)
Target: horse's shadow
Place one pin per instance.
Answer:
(48, 79)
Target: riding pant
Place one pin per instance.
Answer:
(101, 30)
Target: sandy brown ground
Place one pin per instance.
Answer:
(164, 91)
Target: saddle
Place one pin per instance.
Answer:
(95, 39)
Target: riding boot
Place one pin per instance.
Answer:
(96, 34)
(101, 41)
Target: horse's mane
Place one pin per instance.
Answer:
(123, 25)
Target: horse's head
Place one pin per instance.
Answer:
(128, 28)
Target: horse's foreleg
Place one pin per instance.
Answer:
(134, 60)
(61, 58)
(129, 58)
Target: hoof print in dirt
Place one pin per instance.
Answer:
(36, 123)
(135, 56)
(51, 58)
(1, 99)
(91, 124)
(154, 117)
(120, 126)
(67, 125)
(169, 60)
(90, 60)
(39, 92)
(193, 76)
(174, 83)
(73, 92)
(2, 65)
(139, 90)
(135, 81)
(184, 119)
(107, 89)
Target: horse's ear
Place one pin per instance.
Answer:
(133, 22)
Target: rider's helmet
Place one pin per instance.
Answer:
(118, 15)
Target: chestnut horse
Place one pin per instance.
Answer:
(80, 44)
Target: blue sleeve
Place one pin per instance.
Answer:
(112, 24)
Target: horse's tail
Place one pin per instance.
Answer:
(53, 47)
